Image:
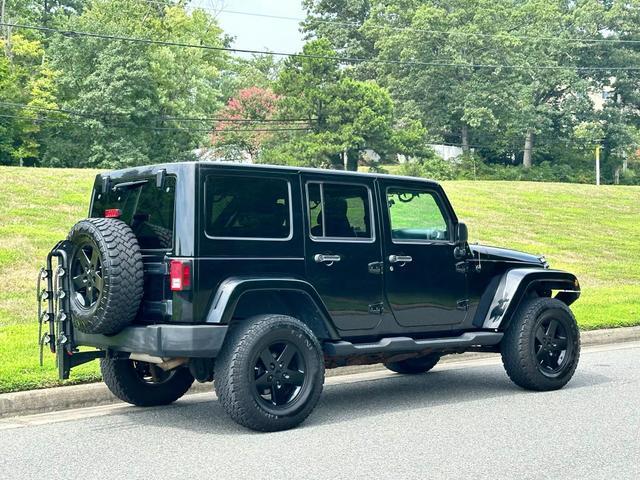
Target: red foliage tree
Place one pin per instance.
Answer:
(247, 116)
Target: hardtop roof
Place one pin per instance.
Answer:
(127, 172)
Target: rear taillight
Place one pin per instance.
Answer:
(112, 213)
(180, 274)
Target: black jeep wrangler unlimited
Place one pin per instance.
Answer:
(259, 278)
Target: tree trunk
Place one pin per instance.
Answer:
(465, 138)
(528, 149)
(351, 160)
(625, 164)
(616, 175)
(5, 30)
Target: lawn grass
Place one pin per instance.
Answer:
(591, 231)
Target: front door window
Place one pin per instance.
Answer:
(415, 216)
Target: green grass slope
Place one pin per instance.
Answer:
(591, 231)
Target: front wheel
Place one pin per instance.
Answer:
(541, 347)
(270, 372)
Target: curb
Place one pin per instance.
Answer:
(94, 394)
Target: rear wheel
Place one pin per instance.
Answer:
(414, 365)
(144, 384)
(541, 347)
(270, 372)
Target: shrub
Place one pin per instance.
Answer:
(472, 168)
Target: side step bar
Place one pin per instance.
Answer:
(408, 345)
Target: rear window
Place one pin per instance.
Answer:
(247, 208)
(147, 209)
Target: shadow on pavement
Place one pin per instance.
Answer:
(366, 398)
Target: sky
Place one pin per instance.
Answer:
(259, 33)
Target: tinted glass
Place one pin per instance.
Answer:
(415, 215)
(339, 211)
(152, 220)
(247, 207)
(147, 209)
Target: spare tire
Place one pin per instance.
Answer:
(106, 275)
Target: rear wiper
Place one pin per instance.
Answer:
(134, 184)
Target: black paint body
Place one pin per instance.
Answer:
(362, 297)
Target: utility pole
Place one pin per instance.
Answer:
(598, 164)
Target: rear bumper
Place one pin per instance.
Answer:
(161, 340)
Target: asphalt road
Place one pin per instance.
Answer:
(462, 420)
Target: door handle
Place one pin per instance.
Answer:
(327, 259)
(400, 259)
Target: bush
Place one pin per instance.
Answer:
(629, 178)
(472, 168)
(435, 168)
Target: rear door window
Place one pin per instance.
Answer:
(339, 211)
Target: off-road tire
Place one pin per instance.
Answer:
(235, 377)
(412, 366)
(126, 384)
(517, 347)
(122, 273)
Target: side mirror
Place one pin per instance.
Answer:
(462, 234)
(462, 237)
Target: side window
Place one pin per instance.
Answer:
(415, 215)
(247, 207)
(339, 211)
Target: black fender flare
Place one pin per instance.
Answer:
(516, 283)
(231, 290)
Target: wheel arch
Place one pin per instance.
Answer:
(518, 284)
(239, 298)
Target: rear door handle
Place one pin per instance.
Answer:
(400, 259)
(328, 259)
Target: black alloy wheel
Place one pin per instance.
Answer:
(553, 345)
(279, 375)
(269, 373)
(541, 346)
(86, 274)
(106, 275)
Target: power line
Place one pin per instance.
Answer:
(510, 148)
(343, 59)
(147, 127)
(158, 117)
(405, 28)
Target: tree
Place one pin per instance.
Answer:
(25, 79)
(129, 97)
(489, 72)
(347, 116)
(235, 137)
